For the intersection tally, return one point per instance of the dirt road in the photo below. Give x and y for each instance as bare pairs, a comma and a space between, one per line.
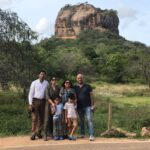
24, 143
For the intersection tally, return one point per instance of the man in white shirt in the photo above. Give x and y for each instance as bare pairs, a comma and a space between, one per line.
37, 104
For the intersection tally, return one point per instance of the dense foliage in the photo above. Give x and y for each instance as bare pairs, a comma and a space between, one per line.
101, 55
17, 55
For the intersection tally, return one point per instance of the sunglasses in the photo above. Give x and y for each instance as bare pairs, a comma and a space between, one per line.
53, 79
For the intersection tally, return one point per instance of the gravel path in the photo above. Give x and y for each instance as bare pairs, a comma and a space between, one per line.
24, 143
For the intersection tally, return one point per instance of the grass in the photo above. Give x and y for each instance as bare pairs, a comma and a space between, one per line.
13, 120
131, 109
9, 97
130, 106
13, 114
132, 101
119, 90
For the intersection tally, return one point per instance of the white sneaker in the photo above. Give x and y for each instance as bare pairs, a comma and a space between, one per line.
91, 138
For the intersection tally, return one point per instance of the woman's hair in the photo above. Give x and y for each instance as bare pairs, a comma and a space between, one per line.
63, 84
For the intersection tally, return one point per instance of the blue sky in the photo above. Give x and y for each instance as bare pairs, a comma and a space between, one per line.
40, 15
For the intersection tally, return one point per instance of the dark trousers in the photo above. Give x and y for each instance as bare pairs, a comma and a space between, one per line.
48, 120
38, 115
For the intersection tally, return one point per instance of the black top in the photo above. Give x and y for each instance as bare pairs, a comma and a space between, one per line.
83, 95
51, 93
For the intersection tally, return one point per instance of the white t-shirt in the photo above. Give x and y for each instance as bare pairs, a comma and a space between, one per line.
71, 109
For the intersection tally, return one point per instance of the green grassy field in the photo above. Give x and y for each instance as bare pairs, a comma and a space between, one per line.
132, 101
130, 107
13, 114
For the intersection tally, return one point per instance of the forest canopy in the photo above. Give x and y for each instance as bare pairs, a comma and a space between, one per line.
101, 55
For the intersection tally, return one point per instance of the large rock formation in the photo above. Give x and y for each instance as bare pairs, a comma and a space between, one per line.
71, 20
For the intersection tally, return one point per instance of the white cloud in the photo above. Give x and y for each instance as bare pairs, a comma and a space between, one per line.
126, 12
5, 2
142, 23
127, 16
42, 26
126, 23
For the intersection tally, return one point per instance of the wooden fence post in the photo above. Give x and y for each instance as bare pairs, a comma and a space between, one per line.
110, 116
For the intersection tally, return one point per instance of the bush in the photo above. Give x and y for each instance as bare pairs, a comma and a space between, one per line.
9, 97
13, 118
131, 118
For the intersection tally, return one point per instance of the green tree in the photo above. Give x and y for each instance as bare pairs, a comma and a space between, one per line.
144, 65
14, 33
69, 61
115, 67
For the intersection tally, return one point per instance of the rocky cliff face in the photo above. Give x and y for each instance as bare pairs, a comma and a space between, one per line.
71, 20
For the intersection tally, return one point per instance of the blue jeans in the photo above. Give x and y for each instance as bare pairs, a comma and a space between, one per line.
57, 126
86, 111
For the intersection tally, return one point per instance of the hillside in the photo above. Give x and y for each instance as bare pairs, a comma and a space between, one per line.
100, 55
105, 55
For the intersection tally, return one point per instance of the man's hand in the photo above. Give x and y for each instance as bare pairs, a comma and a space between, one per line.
93, 108
30, 108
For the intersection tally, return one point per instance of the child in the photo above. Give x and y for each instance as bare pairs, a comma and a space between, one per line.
71, 116
57, 120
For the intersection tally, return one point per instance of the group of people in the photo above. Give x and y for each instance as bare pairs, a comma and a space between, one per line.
56, 111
